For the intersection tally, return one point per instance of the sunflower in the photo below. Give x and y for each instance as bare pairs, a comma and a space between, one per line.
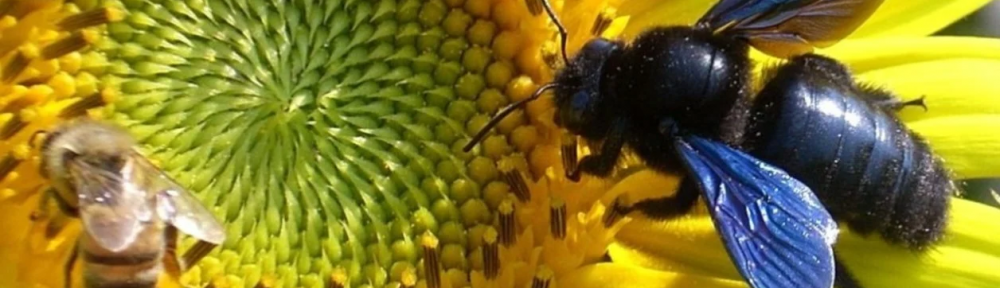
327, 136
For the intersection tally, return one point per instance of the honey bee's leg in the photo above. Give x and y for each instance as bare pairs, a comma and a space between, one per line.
670, 206
68, 266
172, 264
198, 251
56, 223
603, 163
43, 213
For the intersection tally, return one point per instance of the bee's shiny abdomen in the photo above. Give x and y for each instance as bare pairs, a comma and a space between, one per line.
866, 167
138, 266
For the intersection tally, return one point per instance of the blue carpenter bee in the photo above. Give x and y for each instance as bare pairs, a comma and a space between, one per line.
775, 169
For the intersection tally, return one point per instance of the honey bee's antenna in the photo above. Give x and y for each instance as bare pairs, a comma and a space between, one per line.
503, 114
562, 30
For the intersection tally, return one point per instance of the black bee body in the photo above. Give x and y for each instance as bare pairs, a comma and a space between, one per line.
637, 87
777, 166
844, 141
811, 119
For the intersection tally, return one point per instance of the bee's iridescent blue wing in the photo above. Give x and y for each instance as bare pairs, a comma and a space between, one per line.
775, 229
785, 28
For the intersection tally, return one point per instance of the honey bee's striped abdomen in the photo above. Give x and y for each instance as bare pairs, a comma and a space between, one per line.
138, 266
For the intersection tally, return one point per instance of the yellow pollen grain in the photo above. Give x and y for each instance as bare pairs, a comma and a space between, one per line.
338, 278
7, 22
524, 138
496, 146
63, 85
266, 281
482, 32
479, 8
499, 74
508, 14
507, 44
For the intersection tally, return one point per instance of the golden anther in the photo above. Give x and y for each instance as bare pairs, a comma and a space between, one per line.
15, 66
12, 126
73, 42
615, 212
80, 107
7, 165
569, 157
507, 234
491, 254
602, 22
196, 253
515, 180
534, 6
543, 277
90, 18
557, 219
432, 264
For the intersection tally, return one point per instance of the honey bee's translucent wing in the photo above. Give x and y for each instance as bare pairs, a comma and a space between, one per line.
776, 231
113, 206
177, 206
785, 28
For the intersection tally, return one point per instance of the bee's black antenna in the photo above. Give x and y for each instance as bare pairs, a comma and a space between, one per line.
503, 114
562, 30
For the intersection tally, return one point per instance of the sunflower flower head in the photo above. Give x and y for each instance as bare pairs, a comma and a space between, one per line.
327, 136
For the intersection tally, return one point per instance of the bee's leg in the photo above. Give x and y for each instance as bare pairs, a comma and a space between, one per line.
569, 158
172, 265
888, 101
198, 251
56, 224
43, 213
843, 277
68, 266
896, 104
603, 163
670, 206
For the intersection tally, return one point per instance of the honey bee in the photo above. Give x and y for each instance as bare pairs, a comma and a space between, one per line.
131, 211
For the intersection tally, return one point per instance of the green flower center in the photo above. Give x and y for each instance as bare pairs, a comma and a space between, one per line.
325, 134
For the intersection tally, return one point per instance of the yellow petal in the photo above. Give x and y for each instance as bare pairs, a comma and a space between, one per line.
969, 144
863, 55
646, 13
686, 245
964, 259
613, 275
915, 17
957, 86
893, 18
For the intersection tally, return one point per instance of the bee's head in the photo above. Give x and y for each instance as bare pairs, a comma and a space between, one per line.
581, 89
91, 144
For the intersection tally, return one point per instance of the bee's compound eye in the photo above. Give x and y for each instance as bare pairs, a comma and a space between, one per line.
598, 47
69, 155
114, 163
579, 106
